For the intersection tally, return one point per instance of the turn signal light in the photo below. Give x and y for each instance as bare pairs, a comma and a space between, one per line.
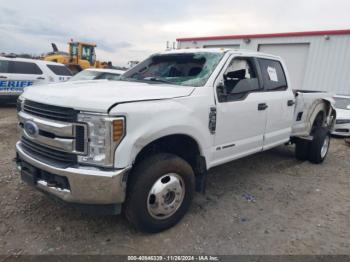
118, 129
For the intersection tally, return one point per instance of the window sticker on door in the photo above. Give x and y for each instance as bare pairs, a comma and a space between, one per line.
272, 74
14, 86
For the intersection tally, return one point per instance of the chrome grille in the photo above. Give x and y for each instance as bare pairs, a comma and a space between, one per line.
80, 138
63, 114
46, 153
52, 133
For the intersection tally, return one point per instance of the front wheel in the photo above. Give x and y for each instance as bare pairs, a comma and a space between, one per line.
160, 191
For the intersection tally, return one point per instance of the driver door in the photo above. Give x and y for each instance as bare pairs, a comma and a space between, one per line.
241, 111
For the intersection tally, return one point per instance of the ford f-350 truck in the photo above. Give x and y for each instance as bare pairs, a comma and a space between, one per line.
143, 145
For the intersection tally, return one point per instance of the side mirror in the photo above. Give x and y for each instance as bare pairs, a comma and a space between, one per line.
235, 75
221, 91
221, 86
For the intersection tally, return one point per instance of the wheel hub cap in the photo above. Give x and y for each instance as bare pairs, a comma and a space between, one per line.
166, 196
325, 147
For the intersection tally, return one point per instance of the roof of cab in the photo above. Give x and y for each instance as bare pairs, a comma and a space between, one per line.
220, 50
37, 61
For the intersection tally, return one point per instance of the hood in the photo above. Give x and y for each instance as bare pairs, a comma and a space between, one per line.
99, 96
343, 114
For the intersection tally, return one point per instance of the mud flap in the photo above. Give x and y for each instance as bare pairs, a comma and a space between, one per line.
201, 174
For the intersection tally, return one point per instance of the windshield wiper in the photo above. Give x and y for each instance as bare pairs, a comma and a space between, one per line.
156, 79
123, 78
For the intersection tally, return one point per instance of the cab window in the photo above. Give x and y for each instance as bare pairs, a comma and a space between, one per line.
87, 53
74, 49
239, 79
273, 75
17, 67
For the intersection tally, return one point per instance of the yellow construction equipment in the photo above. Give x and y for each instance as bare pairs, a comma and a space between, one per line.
81, 55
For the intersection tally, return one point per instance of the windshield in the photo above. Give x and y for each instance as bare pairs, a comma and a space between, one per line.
187, 69
342, 103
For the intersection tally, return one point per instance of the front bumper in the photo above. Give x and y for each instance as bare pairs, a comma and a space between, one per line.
86, 186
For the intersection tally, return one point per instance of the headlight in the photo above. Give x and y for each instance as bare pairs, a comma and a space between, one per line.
342, 121
104, 135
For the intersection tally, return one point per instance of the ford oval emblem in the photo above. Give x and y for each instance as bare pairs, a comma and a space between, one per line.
31, 129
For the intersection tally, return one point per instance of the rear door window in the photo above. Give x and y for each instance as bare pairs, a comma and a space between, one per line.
16, 67
60, 70
274, 78
4, 66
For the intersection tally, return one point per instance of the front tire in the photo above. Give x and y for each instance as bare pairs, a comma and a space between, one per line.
160, 191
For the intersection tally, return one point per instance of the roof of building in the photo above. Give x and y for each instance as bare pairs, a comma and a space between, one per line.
289, 34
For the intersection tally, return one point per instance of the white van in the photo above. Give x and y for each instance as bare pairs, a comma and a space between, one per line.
18, 73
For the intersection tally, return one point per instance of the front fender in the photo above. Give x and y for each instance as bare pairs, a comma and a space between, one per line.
150, 120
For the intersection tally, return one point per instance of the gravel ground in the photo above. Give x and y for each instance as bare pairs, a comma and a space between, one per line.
268, 203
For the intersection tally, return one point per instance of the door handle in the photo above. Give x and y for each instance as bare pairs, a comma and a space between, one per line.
41, 78
262, 106
291, 103
3, 77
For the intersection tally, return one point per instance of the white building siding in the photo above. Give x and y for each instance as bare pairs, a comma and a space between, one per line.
326, 65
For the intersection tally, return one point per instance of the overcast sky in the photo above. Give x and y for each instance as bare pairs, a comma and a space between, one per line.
133, 29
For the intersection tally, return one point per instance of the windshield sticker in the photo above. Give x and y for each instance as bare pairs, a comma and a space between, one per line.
272, 74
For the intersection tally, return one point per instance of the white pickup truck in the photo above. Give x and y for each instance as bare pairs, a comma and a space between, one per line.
144, 144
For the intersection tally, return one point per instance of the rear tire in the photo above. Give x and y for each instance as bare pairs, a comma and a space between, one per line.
319, 146
160, 191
